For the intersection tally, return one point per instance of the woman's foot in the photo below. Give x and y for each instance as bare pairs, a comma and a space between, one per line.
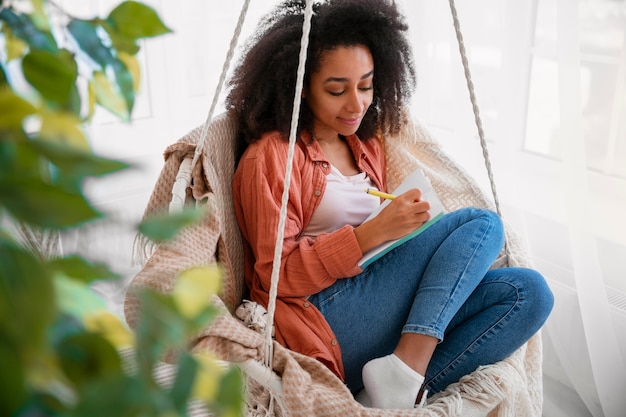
390, 383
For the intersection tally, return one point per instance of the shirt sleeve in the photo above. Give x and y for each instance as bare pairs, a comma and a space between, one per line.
307, 265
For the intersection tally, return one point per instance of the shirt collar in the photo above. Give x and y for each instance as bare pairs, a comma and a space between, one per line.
314, 151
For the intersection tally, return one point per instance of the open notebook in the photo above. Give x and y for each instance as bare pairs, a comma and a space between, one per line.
414, 180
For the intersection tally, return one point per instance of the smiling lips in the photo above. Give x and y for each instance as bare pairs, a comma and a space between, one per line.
350, 122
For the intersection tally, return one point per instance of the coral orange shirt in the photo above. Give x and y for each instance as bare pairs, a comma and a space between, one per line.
308, 265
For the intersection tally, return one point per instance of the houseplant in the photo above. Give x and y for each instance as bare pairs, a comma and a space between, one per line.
60, 349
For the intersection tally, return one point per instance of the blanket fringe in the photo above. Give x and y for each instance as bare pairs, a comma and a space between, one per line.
260, 402
143, 248
487, 388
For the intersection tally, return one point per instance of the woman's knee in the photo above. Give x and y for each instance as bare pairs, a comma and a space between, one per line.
493, 223
539, 293
535, 296
528, 291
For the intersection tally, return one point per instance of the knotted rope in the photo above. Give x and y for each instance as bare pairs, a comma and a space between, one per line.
476, 110
297, 100
220, 83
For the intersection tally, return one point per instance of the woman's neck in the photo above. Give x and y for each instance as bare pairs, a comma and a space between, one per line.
339, 154
329, 139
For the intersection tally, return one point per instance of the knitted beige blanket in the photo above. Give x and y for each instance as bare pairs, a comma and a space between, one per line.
512, 387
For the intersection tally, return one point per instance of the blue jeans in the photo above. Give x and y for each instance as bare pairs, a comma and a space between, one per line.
438, 284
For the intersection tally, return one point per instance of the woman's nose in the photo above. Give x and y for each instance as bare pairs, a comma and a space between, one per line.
354, 102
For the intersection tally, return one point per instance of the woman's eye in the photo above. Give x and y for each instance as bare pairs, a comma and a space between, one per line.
369, 87
335, 93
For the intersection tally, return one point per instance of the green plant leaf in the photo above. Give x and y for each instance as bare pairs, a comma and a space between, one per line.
76, 298
134, 20
124, 80
118, 395
39, 16
86, 357
12, 380
13, 109
17, 159
21, 173
74, 162
109, 96
40, 204
74, 103
208, 376
78, 268
164, 227
111, 327
194, 288
63, 128
183, 383
26, 298
85, 33
52, 74
44, 405
3, 78
91, 100
131, 63
160, 327
14, 46
24, 28
120, 43
230, 397
64, 325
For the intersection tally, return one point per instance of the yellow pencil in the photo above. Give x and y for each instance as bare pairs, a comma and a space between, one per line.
380, 194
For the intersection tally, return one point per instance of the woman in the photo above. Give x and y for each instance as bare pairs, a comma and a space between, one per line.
426, 313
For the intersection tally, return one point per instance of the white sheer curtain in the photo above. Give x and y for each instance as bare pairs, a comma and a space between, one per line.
550, 78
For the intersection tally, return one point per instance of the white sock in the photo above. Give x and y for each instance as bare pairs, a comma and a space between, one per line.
391, 383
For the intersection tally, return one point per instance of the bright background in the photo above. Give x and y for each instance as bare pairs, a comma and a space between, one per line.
550, 77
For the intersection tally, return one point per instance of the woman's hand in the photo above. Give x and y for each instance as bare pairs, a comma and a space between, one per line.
402, 215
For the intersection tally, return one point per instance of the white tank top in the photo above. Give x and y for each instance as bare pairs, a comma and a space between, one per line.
344, 202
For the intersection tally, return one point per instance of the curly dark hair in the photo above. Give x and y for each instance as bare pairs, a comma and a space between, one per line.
262, 87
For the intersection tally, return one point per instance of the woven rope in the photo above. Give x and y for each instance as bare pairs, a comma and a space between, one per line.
220, 83
476, 110
297, 99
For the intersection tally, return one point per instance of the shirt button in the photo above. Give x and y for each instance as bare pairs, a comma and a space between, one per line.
324, 165
306, 304
333, 342
318, 193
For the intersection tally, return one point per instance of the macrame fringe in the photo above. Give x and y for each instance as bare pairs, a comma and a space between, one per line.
487, 388
143, 248
260, 402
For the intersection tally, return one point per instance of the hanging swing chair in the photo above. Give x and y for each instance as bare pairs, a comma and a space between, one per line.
199, 168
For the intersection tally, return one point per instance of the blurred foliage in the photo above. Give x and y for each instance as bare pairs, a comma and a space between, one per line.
61, 350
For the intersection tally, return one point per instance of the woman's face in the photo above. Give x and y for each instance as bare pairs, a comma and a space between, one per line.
340, 91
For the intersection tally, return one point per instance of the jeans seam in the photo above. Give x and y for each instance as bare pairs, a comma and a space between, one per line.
481, 242
499, 323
